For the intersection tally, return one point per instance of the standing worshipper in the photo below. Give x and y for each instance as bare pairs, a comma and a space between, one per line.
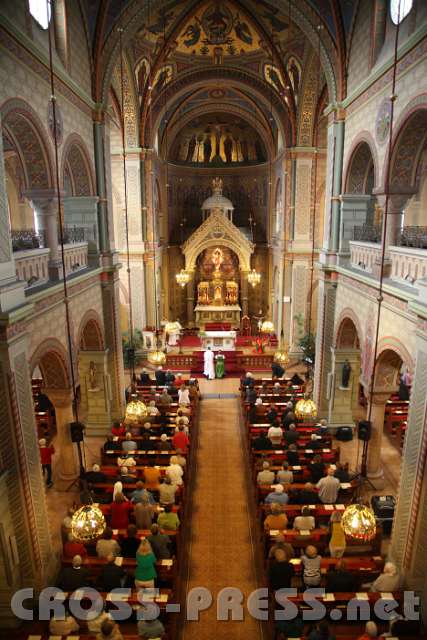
209, 369
46, 453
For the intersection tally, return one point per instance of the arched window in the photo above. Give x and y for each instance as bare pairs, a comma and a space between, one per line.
41, 12
399, 9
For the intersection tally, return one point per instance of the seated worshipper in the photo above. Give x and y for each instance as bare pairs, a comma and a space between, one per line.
262, 442
154, 396
106, 546
169, 377
246, 381
118, 488
323, 428
74, 577
371, 631
284, 476
165, 399
275, 434
118, 429
388, 580
94, 624
304, 522
63, 626
183, 395
96, 475
46, 453
288, 419
181, 423
112, 445
328, 487
276, 370
266, 476
150, 629
127, 476
321, 632
311, 564
164, 444
296, 380
251, 394
291, 436
339, 579
279, 543
174, 471
307, 495
341, 472
73, 548
291, 628
109, 631
317, 469
126, 460
258, 402
280, 572
167, 492
337, 542
180, 440
152, 409
173, 391
140, 492
120, 510
160, 377
128, 444
144, 513
160, 543
168, 520
277, 390
151, 478
130, 543
276, 519
181, 418
272, 414
144, 378
292, 455
111, 575
145, 444
279, 495
180, 459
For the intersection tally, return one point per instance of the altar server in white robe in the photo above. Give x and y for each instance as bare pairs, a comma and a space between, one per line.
209, 368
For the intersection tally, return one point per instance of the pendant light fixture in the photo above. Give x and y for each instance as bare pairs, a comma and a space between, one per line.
88, 522
135, 405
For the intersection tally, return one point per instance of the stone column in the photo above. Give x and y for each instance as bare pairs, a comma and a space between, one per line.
408, 540
26, 557
343, 401
324, 338
190, 299
46, 206
95, 387
334, 167
375, 469
65, 464
396, 204
244, 292
82, 212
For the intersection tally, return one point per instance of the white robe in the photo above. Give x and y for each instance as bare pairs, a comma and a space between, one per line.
209, 369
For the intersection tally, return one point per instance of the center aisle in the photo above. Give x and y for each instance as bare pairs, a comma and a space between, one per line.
221, 550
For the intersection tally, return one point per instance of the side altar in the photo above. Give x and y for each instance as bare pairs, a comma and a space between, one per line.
219, 340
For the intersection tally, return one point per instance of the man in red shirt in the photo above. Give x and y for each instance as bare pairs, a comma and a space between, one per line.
180, 440
118, 429
46, 453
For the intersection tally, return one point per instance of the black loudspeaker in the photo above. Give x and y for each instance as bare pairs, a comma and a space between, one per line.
364, 430
76, 430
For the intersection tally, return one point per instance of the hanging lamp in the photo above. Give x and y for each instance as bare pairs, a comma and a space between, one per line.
305, 409
88, 523
267, 327
358, 522
182, 278
254, 278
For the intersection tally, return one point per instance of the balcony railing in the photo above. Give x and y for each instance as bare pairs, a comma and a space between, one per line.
412, 236
26, 239
32, 265
408, 264
364, 255
367, 233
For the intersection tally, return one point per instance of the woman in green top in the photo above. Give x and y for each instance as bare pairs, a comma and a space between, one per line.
145, 572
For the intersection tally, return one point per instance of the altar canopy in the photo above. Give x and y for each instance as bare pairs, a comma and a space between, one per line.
218, 257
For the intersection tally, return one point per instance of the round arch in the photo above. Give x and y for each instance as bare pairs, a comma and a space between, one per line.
51, 358
354, 173
26, 133
390, 343
408, 143
347, 335
90, 334
193, 254
77, 164
361, 172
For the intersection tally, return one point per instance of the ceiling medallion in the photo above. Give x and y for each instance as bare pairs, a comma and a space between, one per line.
217, 94
382, 125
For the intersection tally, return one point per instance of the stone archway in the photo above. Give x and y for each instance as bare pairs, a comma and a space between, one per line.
77, 166
345, 371
52, 361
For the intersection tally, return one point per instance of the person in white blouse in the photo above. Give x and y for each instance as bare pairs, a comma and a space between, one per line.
183, 396
275, 434
174, 471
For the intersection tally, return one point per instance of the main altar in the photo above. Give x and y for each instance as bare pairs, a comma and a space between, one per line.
217, 255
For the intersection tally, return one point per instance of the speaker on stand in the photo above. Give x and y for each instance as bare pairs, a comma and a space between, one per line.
364, 432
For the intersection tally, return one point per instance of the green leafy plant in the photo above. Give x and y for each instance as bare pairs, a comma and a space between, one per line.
306, 339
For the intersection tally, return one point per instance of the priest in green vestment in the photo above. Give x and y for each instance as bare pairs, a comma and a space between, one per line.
219, 365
